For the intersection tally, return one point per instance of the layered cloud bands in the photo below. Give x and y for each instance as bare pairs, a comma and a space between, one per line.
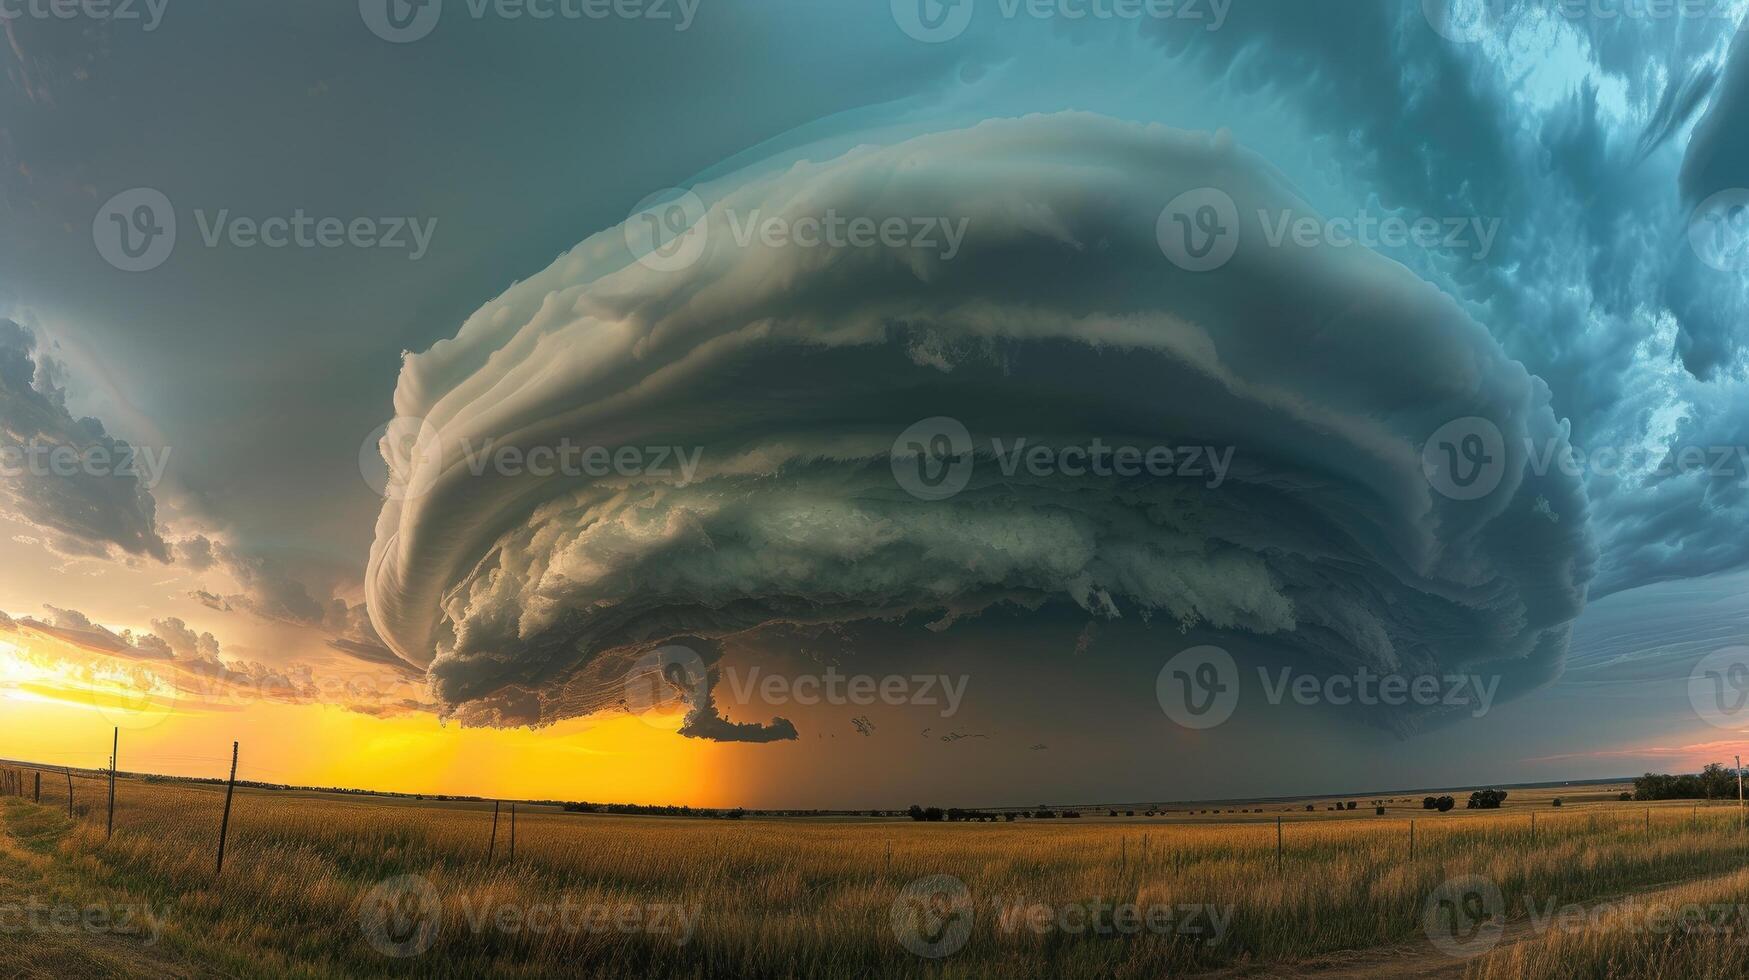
792, 370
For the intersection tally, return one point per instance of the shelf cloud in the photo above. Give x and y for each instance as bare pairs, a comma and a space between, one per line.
1287, 396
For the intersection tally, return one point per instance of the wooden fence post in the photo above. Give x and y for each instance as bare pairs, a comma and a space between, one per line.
37, 791
225, 824
69, 793
512, 831
114, 752
493, 847
1278, 845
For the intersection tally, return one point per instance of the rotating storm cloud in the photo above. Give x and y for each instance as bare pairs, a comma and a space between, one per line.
1059, 319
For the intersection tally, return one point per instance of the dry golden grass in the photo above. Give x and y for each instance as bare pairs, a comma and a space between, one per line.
1698, 931
816, 897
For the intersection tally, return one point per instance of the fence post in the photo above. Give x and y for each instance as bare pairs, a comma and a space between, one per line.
114, 752
1278, 845
512, 831
493, 847
1411, 838
225, 824
69, 793
37, 789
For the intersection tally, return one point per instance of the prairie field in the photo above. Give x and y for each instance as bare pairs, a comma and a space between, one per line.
324, 885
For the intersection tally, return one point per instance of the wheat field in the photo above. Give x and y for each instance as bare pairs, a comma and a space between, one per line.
334, 885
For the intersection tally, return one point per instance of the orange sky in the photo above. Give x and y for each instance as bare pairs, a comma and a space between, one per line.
58, 714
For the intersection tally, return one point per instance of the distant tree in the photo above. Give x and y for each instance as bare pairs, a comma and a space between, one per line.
1310, 806
1378, 811
1445, 803
1717, 782
1487, 799
1429, 803
1113, 813
1557, 801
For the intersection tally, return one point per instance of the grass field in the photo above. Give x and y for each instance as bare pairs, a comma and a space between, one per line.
333, 885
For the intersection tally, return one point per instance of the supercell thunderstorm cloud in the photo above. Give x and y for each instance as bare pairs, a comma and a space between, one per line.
907, 430
1163, 378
